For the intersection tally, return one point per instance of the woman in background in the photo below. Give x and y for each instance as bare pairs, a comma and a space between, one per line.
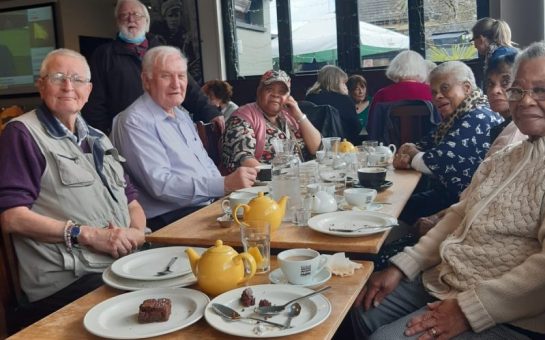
219, 94
357, 88
330, 89
492, 39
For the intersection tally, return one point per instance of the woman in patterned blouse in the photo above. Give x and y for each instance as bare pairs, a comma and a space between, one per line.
450, 154
275, 114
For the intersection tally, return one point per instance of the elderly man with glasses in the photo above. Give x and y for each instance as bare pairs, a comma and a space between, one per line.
478, 274
63, 194
116, 68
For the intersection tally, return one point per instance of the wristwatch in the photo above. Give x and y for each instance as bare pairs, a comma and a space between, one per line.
74, 233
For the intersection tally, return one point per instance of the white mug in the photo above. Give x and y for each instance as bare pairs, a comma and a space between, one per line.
234, 199
300, 265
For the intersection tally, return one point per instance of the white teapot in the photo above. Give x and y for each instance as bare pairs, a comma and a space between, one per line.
382, 154
323, 202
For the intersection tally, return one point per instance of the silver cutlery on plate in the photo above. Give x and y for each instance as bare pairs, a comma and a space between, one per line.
272, 310
364, 227
231, 314
167, 269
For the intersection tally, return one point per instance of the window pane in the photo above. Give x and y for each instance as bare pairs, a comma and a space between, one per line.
314, 34
254, 32
448, 29
384, 30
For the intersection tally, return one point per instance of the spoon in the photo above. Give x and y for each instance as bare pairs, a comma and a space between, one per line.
273, 310
167, 269
295, 309
231, 314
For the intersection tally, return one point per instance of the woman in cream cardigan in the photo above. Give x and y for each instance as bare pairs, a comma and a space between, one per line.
478, 274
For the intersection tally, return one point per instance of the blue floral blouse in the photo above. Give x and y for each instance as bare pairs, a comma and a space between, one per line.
456, 157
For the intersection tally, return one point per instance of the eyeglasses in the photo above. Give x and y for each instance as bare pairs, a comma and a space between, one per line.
59, 79
515, 94
126, 16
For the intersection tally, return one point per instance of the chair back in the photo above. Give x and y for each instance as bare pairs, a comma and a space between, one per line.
411, 120
211, 139
10, 288
9, 113
325, 118
401, 122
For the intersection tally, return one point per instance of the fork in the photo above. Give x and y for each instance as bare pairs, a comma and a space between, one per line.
167, 269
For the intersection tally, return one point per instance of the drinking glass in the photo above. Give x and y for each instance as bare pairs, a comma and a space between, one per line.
256, 240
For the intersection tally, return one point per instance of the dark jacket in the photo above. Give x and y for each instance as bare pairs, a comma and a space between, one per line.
115, 74
325, 118
347, 112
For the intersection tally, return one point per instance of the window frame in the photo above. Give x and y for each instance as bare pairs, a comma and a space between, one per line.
347, 34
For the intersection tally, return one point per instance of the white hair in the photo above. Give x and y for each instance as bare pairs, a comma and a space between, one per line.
407, 65
142, 6
457, 70
535, 50
158, 55
44, 68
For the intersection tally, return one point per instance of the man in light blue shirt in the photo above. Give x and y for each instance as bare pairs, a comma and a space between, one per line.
164, 154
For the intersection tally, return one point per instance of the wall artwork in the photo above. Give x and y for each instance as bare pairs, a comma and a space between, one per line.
175, 22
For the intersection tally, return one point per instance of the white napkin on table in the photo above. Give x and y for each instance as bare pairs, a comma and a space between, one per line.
341, 265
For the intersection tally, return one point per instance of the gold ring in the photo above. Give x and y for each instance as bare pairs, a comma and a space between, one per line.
433, 332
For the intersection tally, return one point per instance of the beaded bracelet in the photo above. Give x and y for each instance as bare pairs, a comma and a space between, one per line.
67, 231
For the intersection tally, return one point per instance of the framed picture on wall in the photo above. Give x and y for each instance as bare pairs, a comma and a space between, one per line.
175, 23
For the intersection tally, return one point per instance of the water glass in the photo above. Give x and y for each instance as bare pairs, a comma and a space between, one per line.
302, 216
256, 240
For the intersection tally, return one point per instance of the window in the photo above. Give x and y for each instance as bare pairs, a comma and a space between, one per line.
253, 36
305, 35
448, 29
313, 34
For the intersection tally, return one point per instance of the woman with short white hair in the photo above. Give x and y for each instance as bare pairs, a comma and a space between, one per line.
408, 70
451, 153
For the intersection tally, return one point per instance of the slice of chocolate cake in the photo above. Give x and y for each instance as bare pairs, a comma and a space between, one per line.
154, 310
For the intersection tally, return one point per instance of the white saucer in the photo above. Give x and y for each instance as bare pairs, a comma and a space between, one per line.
277, 276
343, 205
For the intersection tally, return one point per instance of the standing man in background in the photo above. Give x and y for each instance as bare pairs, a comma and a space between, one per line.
116, 68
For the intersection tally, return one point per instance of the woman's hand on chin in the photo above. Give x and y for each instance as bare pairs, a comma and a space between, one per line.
293, 108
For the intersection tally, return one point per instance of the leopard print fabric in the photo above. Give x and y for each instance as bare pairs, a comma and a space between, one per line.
475, 99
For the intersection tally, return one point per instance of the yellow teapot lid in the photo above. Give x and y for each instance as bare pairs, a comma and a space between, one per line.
219, 247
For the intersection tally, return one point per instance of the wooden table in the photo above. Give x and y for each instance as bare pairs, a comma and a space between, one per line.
67, 323
201, 228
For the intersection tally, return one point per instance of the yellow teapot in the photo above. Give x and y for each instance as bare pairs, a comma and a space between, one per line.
263, 208
220, 268
345, 146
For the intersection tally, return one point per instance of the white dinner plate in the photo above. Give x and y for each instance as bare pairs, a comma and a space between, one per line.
351, 220
145, 264
255, 190
122, 283
314, 311
345, 206
277, 277
117, 317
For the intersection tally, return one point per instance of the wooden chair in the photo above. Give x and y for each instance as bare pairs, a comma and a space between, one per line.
10, 288
211, 139
410, 121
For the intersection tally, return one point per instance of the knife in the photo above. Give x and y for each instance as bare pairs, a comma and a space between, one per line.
367, 227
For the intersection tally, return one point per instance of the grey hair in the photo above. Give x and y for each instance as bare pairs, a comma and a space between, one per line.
454, 69
535, 50
158, 55
144, 9
407, 65
329, 79
44, 68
